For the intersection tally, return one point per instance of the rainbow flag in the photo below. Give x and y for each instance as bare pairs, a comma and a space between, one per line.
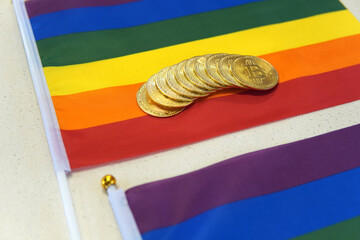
96, 55
303, 190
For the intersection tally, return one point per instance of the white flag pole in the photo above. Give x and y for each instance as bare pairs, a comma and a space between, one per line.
68, 205
52, 130
121, 209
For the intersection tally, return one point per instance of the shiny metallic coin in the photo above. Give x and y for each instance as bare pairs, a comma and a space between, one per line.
254, 72
224, 67
211, 66
177, 87
189, 71
159, 98
151, 108
200, 71
185, 82
165, 89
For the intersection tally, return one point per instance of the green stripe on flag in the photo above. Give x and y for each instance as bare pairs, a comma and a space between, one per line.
98, 45
346, 230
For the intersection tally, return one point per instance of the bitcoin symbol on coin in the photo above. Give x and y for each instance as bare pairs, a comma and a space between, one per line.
254, 71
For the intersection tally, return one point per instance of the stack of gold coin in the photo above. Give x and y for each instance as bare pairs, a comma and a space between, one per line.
173, 88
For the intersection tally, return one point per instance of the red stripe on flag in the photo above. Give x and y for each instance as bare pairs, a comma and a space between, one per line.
210, 118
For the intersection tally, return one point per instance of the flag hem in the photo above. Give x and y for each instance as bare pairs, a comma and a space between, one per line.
123, 214
51, 125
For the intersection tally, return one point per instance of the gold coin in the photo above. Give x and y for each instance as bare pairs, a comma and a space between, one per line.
177, 87
151, 108
211, 66
225, 70
159, 98
188, 69
254, 72
184, 81
165, 89
200, 71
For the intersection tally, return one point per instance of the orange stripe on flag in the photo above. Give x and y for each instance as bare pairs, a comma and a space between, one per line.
108, 105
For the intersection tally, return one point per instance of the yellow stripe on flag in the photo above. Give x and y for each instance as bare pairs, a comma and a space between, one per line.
139, 67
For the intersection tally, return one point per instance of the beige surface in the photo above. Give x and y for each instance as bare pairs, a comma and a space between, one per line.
30, 203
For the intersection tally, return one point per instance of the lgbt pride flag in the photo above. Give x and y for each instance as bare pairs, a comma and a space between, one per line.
96, 55
304, 190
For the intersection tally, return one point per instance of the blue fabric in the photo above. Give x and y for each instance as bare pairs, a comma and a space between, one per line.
280, 215
122, 16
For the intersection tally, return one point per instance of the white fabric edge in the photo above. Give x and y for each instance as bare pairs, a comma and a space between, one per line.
123, 214
51, 125
52, 130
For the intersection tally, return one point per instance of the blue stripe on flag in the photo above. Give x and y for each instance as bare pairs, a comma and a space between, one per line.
122, 16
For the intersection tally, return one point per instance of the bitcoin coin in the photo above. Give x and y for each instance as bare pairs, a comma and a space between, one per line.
151, 108
155, 95
254, 72
184, 81
189, 71
200, 71
165, 89
173, 88
177, 87
225, 70
211, 66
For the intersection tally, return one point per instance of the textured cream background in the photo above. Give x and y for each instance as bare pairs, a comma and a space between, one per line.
30, 204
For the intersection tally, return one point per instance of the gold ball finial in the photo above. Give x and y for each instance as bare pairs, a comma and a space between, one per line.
107, 181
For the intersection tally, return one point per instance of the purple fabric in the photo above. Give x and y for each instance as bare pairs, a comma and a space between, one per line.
38, 7
171, 201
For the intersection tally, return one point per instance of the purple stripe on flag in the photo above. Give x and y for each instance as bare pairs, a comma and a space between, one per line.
168, 202
38, 7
